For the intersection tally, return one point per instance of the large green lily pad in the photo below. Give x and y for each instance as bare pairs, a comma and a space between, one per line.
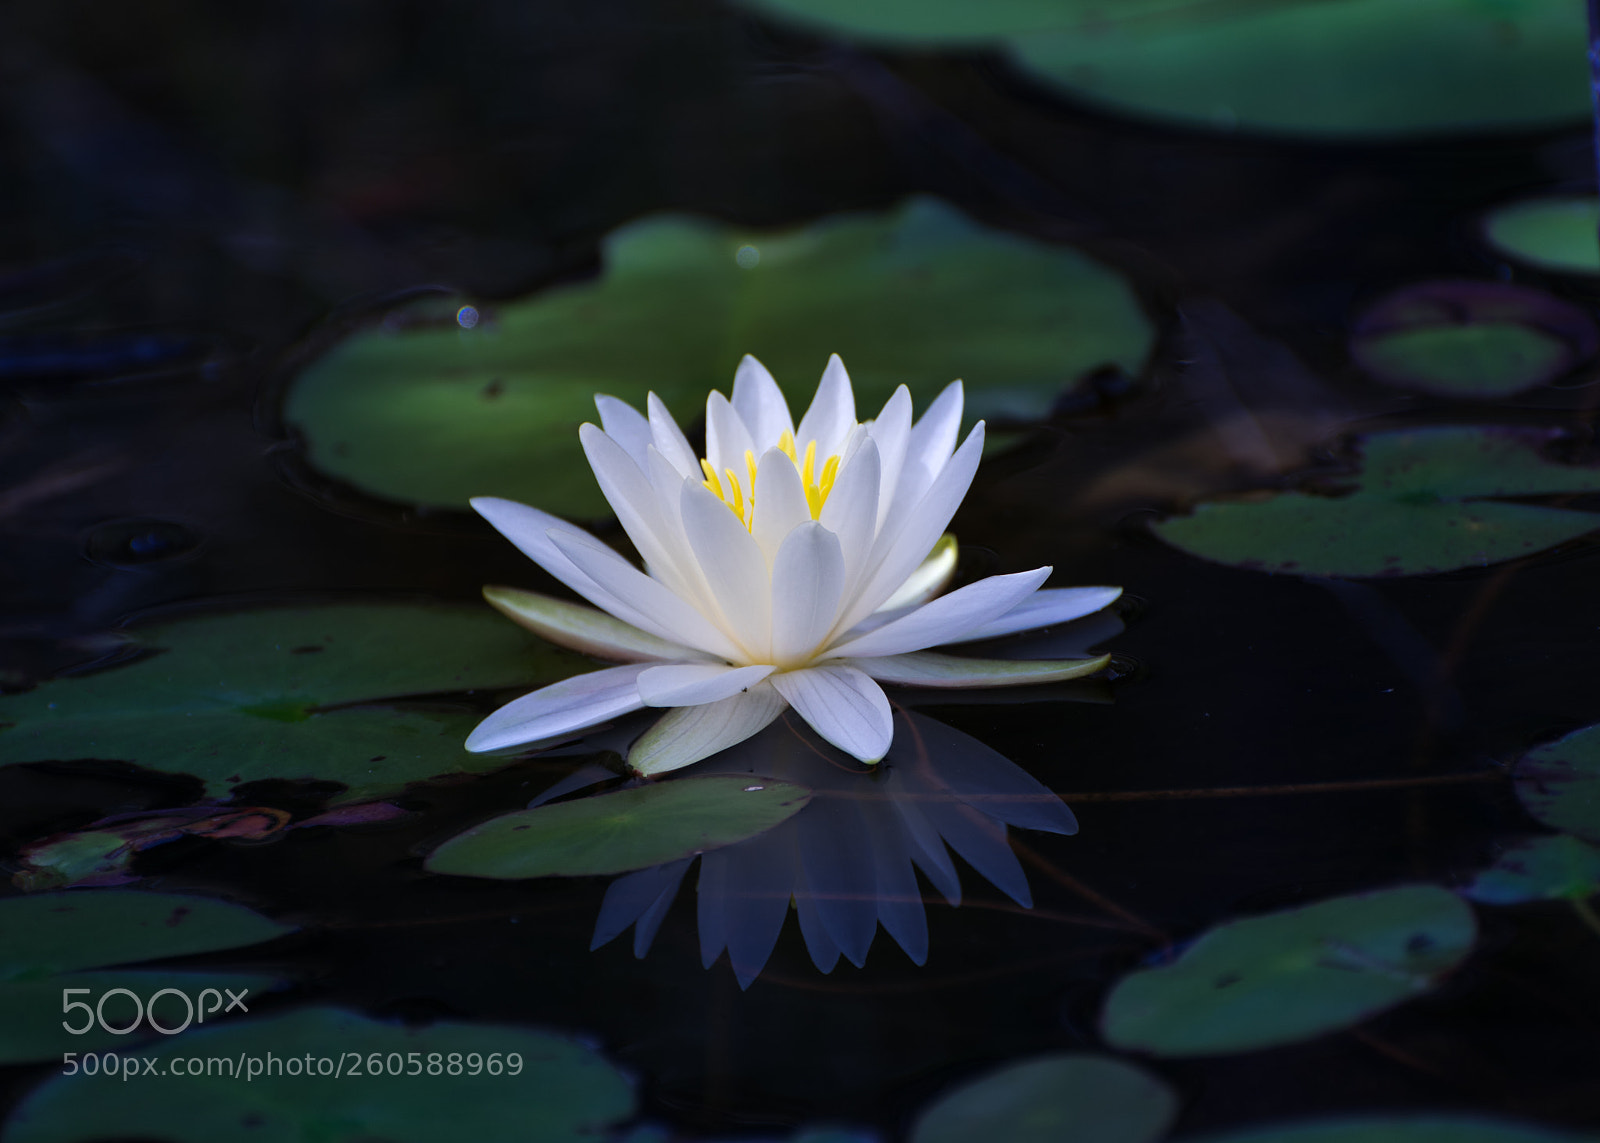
1556, 233
618, 832
1289, 976
48, 940
1424, 501
435, 414
1539, 869
1559, 783
1087, 1099
556, 1090
241, 696
1400, 1129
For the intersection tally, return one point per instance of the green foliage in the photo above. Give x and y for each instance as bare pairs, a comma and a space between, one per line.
1556, 233
1559, 783
1539, 869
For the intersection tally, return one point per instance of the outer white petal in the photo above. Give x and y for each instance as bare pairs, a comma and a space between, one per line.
780, 502
851, 510
624, 424
832, 414
727, 438
633, 498
945, 619
843, 705
692, 684
929, 669
735, 568
649, 604
891, 431
759, 401
808, 579
931, 577
933, 439
686, 734
1043, 608
582, 628
560, 708
669, 438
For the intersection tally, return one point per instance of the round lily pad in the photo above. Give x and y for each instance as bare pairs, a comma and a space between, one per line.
1088, 1099
1559, 783
1400, 1129
1556, 233
1479, 340
1425, 501
242, 696
431, 413
1539, 869
1289, 976
335, 1076
1331, 68
622, 831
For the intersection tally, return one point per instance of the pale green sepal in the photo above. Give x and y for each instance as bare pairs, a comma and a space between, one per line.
582, 628
931, 669
932, 576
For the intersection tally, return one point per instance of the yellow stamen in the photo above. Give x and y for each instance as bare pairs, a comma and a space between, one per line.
829, 471
750, 465
786, 443
738, 495
743, 505
711, 482
810, 465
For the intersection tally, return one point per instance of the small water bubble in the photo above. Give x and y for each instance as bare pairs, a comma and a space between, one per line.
750, 789
748, 257
467, 317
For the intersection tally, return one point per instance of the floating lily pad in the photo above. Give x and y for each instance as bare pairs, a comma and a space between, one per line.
1422, 503
1087, 1099
1559, 783
1289, 976
242, 696
47, 941
1557, 233
557, 1090
1339, 68
622, 831
435, 414
1400, 1129
1480, 340
1539, 869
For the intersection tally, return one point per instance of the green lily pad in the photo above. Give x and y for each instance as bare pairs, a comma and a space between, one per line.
618, 832
1290, 976
1330, 68
557, 1090
1400, 1129
48, 940
1088, 1099
435, 414
1422, 503
1559, 783
1558, 233
1539, 869
238, 697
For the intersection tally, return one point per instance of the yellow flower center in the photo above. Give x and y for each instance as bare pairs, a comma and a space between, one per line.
740, 496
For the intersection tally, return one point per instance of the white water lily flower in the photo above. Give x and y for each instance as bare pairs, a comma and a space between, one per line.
792, 566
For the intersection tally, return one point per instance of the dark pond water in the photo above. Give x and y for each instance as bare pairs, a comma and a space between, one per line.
200, 202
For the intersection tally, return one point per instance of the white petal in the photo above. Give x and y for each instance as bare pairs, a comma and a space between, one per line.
560, 708
891, 431
727, 438
851, 511
735, 569
780, 502
1043, 608
929, 669
807, 582
760, 403
687, 734
649, 604
669, 438
945, 619
582, 628
931, 577
633, 498
625, 425
843, 705
832, 414
933, 439
692, 684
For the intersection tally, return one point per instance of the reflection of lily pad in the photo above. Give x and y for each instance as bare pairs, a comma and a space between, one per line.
1539, 869
1421, 504
920, 295
1549, 233
1087, 1099
47, 941
1399, 1129
238, 697
626, 830
1481, 340
1289, 976
1559, 783
444, 1082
